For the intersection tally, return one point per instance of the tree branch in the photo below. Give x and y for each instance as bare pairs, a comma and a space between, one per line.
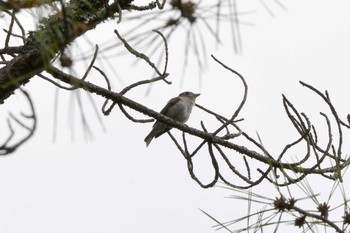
55, 33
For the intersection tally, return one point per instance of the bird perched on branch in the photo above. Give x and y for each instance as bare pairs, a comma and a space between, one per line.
178, 108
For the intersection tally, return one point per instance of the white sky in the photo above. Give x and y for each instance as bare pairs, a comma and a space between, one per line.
116, 184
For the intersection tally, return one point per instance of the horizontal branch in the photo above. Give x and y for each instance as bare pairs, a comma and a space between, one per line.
120, 99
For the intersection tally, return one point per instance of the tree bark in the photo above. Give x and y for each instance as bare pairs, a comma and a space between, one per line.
54, 34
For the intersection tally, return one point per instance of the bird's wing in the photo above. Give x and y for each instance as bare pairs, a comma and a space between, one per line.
171, 103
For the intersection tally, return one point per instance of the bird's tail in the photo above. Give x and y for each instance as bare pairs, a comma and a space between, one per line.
149, 137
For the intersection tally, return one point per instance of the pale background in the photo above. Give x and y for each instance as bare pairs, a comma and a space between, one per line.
115, 184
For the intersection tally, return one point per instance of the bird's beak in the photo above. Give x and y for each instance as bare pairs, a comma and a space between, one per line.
196, 95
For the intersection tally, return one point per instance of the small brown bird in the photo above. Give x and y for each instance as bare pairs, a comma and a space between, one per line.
178, 108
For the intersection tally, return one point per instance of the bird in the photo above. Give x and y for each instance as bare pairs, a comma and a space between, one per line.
178, 108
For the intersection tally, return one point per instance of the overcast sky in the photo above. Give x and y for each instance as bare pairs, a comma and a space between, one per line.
115, 184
